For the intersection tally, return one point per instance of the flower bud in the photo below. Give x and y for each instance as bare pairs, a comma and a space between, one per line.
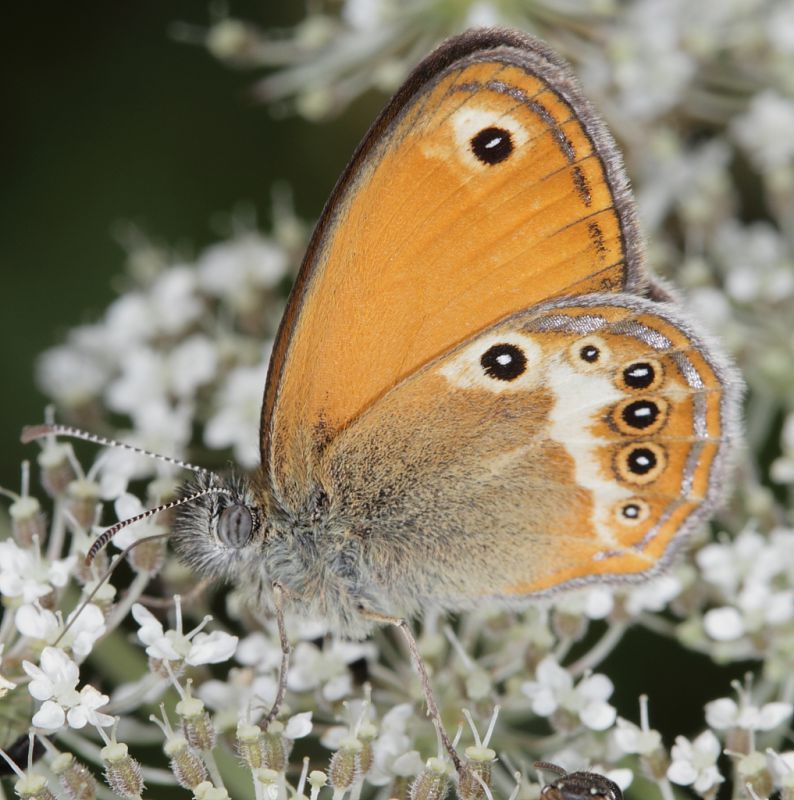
568, 625
33, 787
56, 469
269, 779
187, 767
432, 782
82, 498
27, 520
479, 762
366, 735
206, 791
345, 767
250, 745
655, 764
148, 557
753, 769
122, 772
196, 723
75, 778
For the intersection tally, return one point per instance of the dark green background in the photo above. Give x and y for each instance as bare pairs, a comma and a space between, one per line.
106, 119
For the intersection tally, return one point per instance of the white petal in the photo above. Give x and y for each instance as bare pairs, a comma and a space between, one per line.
211, 648
36, 622
722, 713
682, 772
299, 725
544, 703
596, 687
338, 687
708, 777
598, 716
77, 717
723, 624
50, 716
772, 714
708, 744
59, 667
551, 674
407, 765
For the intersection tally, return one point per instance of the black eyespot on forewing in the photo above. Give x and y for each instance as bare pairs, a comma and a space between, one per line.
639, 375
640, 414
641, 460
504, 362
492, 145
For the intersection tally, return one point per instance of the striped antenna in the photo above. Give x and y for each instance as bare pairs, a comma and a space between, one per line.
110, 532
32, 432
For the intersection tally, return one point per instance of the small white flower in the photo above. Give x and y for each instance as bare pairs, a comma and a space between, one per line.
594, 603
259, 652
242, 693
758, 130
393, 754
191, 364
70, 375
174, 302
86, 712
194, 647
695, 763
236, 422
642, 740
723, 624
299, 725
26, 575
327, 667
655, 595
239, 269
54, 682
554, 688
726, 713
127, 506
40, 623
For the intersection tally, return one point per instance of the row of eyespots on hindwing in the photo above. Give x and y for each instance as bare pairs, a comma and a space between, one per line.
639, 415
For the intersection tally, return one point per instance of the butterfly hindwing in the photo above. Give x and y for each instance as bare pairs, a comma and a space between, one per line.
570, 442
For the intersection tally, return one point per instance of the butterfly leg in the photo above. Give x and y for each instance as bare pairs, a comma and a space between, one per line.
278, 603
432, 707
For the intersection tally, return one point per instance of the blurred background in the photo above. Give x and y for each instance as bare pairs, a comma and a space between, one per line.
108, 121
116, 117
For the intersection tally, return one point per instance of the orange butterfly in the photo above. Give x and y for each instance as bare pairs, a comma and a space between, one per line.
476, 390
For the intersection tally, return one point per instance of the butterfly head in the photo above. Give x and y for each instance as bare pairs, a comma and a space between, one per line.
222, 528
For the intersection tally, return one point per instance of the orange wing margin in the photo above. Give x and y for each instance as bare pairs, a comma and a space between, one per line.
432, 233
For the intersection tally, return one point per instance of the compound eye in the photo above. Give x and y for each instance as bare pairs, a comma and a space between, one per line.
235, 526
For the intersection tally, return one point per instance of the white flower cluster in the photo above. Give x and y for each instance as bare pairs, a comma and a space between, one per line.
701, 98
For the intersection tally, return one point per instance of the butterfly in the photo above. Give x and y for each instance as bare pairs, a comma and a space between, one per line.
477, 391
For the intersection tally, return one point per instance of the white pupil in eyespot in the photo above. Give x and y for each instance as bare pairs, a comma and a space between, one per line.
504, 359
495, 141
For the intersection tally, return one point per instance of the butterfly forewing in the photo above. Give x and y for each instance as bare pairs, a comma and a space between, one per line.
486, 186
